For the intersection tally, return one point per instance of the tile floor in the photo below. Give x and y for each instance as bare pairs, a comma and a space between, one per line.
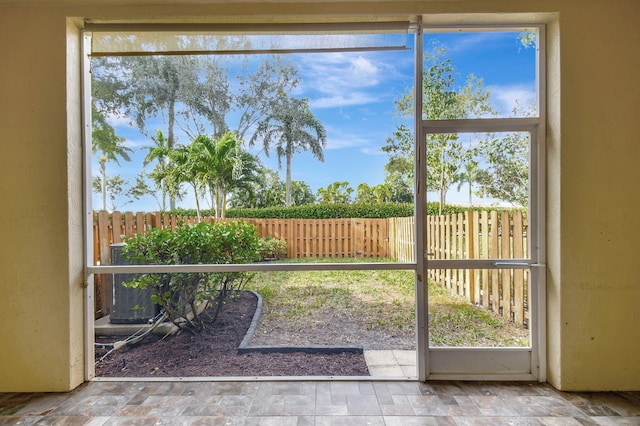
319, 403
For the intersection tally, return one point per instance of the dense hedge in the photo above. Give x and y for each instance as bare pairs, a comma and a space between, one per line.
327, 211
333, 211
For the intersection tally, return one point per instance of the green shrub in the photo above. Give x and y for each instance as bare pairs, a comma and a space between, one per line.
336, 211
326, 211
272, 248
180, 294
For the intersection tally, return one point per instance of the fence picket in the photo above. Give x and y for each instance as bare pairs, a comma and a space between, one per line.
472, 246
494, 253
484, 254
518, 274
505, 253
116, 222
140, 223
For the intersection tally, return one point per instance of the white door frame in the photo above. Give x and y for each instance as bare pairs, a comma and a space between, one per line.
528, 363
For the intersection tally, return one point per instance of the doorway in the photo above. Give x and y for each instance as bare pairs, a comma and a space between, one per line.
492, 254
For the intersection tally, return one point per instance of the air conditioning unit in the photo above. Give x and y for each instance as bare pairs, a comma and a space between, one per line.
130, 305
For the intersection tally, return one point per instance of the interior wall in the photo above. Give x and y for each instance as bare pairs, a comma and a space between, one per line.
598, 284
593, 146
41, 286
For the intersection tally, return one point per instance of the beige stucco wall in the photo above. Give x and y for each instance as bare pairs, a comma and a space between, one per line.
593, 147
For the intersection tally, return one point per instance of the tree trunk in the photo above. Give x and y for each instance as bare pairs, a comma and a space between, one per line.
219, 203
287, 191
171, 144
441, 190
195, 192
213, 200
103, 183
164, 195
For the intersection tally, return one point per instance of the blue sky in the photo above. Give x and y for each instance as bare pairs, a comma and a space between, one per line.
353, 94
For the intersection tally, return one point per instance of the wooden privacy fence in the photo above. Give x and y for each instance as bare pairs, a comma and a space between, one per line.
469, 235
474, 235
304, 237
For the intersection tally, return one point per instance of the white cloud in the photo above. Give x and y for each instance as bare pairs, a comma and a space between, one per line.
506, 98
339, 139
367, 144
373, 151
471, 41
340, 100
344, 79
118, 120
134, 144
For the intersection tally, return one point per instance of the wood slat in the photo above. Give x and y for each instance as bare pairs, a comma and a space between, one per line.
505, 253
494, 253
484, 254
518, 274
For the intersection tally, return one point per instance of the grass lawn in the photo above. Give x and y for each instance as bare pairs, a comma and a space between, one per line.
381, 301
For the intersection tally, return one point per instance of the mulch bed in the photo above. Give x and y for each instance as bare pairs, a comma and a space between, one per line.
214, 353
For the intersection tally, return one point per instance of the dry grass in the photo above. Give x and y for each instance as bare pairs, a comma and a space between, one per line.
375, 309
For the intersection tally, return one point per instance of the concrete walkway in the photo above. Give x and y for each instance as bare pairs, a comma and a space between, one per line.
391, 363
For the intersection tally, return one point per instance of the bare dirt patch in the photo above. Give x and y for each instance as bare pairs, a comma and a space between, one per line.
214, 352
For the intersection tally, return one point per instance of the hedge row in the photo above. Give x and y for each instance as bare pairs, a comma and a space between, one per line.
332, 211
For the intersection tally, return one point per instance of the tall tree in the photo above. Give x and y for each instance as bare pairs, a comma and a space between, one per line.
251, 98
144, 87
209, 96
291, 127
120, 192
109, 146
399, 169
507, 177
184, 89
260, 93
159, 152
184, 169
442, 100
471, 174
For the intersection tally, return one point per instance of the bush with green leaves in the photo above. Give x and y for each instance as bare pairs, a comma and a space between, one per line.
337, 211
182, 294
272, 248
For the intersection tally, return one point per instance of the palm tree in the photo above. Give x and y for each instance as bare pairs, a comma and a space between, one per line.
292, 128
185, 168
223, 167
470, 174
110, 145
160, 153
